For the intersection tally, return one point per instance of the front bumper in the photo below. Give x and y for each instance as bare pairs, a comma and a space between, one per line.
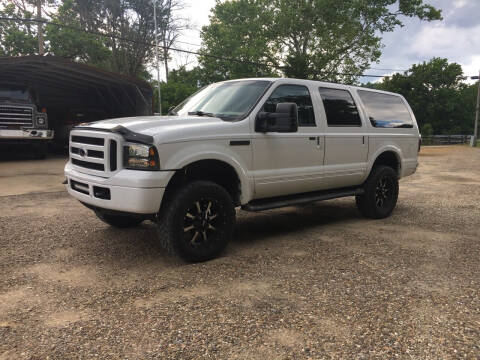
144, 198
26, 134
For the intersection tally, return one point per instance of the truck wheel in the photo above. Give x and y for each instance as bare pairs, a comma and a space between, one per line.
197, 222
381, 193
119, 221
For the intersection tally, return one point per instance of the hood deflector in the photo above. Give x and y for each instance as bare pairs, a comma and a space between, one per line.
127, 134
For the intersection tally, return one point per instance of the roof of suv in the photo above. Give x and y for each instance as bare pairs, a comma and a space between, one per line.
318, 82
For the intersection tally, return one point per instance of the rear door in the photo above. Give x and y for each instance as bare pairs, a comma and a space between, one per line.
288, 163
346, 141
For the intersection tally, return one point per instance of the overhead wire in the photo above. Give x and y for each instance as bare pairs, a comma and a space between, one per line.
223, 58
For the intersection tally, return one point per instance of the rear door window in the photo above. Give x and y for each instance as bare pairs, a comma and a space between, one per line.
340, 108
386, 111
297, 94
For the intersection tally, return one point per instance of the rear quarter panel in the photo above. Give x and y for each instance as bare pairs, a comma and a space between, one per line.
404, 142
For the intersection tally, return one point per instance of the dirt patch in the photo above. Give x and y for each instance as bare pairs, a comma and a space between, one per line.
286, 337
65, 318
83, 276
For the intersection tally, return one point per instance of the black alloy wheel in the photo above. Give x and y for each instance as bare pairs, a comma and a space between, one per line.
201, 223
381, 193
196, 221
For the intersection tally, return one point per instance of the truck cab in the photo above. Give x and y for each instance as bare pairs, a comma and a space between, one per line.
21, 119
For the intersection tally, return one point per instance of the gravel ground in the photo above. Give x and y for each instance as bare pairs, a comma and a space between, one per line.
312, 282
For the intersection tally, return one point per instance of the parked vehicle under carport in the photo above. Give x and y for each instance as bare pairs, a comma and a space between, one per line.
63, 89
23, 120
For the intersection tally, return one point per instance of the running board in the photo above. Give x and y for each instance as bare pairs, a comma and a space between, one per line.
298, 199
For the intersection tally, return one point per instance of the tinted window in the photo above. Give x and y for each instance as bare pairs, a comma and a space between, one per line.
385, 110
339, 108
297, 94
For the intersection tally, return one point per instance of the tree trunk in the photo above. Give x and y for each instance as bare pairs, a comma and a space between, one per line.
165, 60
41, 47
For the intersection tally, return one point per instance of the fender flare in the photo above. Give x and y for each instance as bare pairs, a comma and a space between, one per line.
387, 148
188, 156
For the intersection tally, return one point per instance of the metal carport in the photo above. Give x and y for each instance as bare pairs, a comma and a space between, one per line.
63, 84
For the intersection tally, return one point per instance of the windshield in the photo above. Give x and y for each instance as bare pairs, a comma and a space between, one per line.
228, 101
15, 94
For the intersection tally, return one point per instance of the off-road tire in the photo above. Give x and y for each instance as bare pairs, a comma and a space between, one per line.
180, 220
370, 204
119, 221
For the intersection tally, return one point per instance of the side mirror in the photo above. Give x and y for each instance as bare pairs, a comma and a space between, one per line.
284, 119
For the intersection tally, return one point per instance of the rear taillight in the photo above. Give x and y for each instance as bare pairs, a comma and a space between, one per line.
419, 142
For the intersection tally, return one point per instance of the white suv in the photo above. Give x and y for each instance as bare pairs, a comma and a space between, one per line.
253, 143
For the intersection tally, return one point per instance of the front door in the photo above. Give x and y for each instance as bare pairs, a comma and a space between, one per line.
288, 163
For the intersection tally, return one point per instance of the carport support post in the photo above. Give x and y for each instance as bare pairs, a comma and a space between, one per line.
158, 57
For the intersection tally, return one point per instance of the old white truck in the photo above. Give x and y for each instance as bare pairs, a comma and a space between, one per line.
252, 143
21, 120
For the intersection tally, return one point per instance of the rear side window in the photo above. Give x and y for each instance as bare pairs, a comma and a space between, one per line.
297, 94
386, 111
339, 107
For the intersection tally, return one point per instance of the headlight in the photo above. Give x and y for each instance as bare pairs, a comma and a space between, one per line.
40, 120
140, 157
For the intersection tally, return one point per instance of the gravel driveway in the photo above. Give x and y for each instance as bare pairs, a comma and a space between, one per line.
316, 282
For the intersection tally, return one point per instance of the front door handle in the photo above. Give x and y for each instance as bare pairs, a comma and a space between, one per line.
318, 140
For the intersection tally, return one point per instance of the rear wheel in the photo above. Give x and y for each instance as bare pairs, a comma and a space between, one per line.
119, 221
381, 193
197, 222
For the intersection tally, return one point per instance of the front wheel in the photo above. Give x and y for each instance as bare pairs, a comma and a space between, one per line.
381, 193
197, 222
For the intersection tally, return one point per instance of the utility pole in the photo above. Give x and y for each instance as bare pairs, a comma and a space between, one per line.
158, 56
41, 47
165, 40
475, 131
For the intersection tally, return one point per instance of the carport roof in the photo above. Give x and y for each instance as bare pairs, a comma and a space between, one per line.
57, 72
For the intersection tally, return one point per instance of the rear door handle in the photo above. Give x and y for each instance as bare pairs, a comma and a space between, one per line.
313, 138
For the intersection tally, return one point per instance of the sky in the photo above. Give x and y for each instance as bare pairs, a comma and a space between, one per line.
456, 37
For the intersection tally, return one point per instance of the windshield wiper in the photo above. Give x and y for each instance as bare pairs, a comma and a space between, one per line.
201, 113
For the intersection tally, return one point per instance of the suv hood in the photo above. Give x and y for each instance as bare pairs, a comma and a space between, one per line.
165, 128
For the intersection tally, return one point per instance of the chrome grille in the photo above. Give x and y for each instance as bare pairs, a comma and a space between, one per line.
16, 115
95, 152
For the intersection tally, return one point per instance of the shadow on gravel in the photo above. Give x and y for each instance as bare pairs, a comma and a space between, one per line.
259, 227
140, 245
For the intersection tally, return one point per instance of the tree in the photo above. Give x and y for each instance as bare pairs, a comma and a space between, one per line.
73, 44
182, 83
332, 40
437, 94
27, 8
17, 39
237, 30
171, 30
128, 41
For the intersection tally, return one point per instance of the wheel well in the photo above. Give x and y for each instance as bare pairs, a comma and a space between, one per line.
216, 171
388, 158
